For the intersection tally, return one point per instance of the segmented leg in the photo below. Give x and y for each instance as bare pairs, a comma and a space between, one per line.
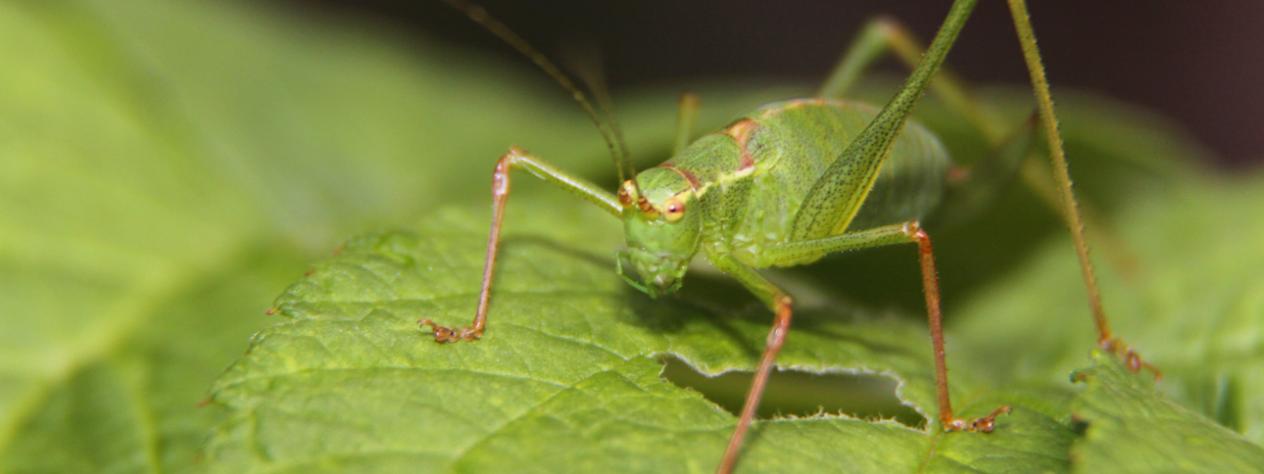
884, 33
891, 235
930, 288
1044, 101
834, 200
781, 305
971, 189
514, 158
686, 115
837, 195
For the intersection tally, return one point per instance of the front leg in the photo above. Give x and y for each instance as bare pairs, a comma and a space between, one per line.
515, 158
781, 305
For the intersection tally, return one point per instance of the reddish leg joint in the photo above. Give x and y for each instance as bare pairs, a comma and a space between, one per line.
930, 288
1132, 360
500, 194
982, 425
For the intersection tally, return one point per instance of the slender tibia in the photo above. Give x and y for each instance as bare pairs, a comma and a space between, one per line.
837, 194
686, 115
1044, 102
772, 346
884, 33
500, 194
514, 158
1039, 179
930, 288
781, 305
890, 33
891, 235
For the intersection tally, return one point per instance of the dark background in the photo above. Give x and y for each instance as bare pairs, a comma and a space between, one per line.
1199, 63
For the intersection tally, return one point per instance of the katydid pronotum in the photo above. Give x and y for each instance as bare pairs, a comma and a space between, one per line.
792, 182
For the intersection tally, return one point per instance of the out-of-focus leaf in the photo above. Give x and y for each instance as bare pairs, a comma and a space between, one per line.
1133, 428
541, 300
1195, 306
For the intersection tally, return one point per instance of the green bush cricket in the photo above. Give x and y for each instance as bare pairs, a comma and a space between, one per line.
795, 181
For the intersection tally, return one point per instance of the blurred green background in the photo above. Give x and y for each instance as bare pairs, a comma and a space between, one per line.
168, 168
1177, 58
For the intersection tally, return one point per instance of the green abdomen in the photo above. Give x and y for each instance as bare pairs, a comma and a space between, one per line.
794, 142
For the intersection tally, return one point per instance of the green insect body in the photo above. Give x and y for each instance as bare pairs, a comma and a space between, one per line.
795, 181
743, 187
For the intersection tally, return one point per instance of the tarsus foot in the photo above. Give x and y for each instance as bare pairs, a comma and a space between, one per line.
983, 425
1131, 359
444, 334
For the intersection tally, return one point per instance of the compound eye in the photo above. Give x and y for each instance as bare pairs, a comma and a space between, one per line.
674, 210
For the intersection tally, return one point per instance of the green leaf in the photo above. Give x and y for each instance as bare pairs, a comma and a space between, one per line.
571, 356
1193, 306
1133, 428
167, 168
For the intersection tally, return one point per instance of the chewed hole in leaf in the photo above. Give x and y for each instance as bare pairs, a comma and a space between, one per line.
797, 393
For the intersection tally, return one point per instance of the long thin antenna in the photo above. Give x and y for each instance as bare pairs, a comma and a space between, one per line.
609, 133
586, 62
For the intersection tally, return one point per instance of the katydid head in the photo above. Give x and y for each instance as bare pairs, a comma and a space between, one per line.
662, 234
